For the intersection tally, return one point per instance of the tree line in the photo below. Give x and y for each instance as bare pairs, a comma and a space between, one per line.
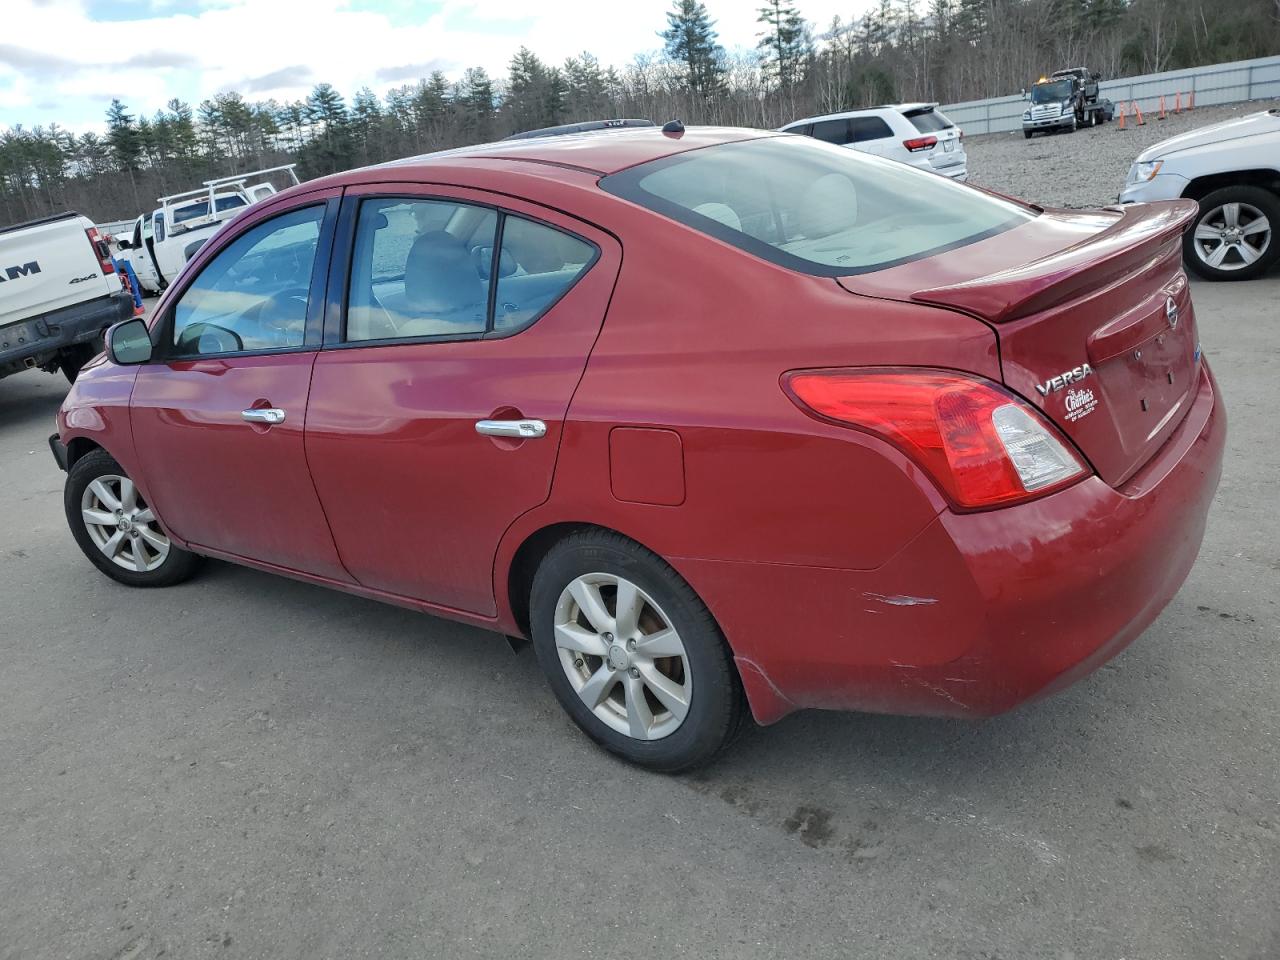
902, 50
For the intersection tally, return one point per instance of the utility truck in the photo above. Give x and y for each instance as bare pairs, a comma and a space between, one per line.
161, 242
1065, 100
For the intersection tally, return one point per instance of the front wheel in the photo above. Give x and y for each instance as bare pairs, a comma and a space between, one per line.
1234, 234
116, 528
632, 654
1027, 134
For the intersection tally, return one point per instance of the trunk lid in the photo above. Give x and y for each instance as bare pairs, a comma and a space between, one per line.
1093, 319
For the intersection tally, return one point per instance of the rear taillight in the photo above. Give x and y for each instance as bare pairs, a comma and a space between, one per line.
982, 445
920, 143
102, 250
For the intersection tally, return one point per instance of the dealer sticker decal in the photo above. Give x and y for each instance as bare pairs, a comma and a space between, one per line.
1080, 403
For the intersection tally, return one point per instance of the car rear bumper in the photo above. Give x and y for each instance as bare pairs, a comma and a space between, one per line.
981, 611
35, 342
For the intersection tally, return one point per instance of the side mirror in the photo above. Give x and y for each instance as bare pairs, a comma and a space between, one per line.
129, 342
1096, 75
1024, 93
124, 245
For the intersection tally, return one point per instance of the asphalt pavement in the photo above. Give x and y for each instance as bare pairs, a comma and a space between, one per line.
245, 766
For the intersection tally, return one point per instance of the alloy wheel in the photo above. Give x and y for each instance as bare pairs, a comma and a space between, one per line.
121, 524
623, 656
1232, 236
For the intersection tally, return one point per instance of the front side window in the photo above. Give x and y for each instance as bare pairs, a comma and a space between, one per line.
427, 268
253, 295
815, 208
159, 227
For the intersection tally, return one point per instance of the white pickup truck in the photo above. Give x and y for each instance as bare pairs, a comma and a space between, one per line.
161, 242
59, 291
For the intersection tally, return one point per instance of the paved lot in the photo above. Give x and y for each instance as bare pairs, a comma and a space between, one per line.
244, 766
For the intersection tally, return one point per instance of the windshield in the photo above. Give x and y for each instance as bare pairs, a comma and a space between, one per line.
813, 207
1051, 92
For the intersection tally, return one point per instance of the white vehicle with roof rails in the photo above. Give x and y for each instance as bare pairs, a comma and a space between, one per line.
918, 134
161, 242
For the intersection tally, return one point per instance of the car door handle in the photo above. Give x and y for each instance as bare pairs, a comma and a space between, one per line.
520, 429
263, 415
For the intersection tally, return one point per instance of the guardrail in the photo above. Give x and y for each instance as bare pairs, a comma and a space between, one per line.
1218, 83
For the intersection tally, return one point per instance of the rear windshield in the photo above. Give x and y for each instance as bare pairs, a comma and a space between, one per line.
815, 208
928, 120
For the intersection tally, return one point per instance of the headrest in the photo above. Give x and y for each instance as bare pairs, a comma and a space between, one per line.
439, 275
721, 213
829, 205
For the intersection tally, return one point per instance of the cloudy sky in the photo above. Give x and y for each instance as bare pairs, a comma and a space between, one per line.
63, 60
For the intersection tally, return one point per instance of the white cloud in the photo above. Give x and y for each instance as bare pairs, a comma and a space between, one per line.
62, 65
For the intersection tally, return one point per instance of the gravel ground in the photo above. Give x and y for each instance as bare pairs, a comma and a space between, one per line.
1082, 169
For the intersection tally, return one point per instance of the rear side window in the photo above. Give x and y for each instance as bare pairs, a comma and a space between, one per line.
538, 265
832, 131
416, 269
868, 128
435, 268
929, 121
815, 208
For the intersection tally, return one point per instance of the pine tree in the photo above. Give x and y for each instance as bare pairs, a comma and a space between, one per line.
123, 136
785, 42
690, 40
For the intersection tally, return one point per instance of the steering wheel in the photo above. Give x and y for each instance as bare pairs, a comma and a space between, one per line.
202, 338
284, 315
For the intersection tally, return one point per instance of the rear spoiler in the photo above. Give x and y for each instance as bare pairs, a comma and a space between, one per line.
1142, 234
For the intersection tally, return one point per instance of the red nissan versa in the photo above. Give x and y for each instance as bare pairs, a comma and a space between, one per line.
719, 418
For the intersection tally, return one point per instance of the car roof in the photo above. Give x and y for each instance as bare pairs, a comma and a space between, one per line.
598, 152
903, 108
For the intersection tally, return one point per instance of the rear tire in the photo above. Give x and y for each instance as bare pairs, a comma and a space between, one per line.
632, 654
1234, 235
116, 529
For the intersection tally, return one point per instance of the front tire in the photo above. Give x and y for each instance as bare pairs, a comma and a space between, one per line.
1234, 236
117, 530
632, 654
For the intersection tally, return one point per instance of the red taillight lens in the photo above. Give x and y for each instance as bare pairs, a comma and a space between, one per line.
101, 250
920, 143
983, 446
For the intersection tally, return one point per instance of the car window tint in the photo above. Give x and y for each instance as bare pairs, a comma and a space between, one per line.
538, 264
832, 131
813, 207
869, 128
928, 121
420, 268
253, 295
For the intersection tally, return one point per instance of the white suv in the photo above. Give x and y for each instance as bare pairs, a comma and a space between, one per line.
915, 133
1232, 169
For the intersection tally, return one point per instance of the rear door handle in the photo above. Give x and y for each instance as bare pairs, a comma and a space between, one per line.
520, 429
263, 415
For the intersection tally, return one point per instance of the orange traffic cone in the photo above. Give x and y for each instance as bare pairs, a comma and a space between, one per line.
1177, 102
1191, 100
1162, 113
1121, 126
1137, 112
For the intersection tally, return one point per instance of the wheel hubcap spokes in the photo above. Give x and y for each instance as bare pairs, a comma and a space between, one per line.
121, 525
1232, 236
622, 656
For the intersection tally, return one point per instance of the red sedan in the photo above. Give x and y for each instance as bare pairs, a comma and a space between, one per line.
720, 419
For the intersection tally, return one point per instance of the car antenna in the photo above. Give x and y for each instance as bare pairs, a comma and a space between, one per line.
673, 127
